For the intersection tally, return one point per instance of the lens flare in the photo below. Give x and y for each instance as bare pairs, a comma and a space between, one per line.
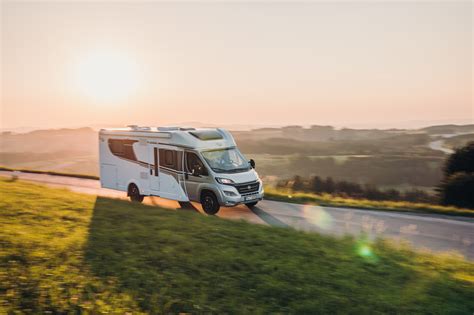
317, 216
365, 251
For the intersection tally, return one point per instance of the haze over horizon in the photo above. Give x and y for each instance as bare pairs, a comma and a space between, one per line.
357, 64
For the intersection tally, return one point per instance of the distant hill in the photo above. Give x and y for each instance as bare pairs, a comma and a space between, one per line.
385, 157
449, 129
50, 140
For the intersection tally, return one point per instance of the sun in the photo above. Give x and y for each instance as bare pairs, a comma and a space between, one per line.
106, 76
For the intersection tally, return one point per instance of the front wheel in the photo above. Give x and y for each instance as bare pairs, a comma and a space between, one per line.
209, 203
134, 193
251, 204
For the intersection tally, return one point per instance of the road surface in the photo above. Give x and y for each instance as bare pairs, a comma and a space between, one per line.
432, 232
438, 145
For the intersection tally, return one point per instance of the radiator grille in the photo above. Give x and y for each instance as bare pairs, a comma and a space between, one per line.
248, 188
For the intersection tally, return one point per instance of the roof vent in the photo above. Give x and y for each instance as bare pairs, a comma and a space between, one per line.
167, 128
137, 128
206, 135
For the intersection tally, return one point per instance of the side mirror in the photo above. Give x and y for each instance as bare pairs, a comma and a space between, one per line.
252, 163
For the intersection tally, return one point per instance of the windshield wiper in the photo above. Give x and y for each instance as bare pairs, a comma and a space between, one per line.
236, 170
219, 170
241, 169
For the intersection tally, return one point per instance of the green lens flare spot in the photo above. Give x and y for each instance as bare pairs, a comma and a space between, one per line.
365, 251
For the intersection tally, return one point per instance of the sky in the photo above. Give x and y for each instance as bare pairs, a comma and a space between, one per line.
354, 64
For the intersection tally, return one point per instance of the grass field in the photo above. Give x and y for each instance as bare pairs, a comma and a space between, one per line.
332, 201
33, 171
66, 252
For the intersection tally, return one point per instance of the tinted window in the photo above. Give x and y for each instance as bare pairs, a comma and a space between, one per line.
194, 162
171, 159
123, 148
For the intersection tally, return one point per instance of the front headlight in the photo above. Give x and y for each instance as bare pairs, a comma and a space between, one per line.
225, 181
230, 193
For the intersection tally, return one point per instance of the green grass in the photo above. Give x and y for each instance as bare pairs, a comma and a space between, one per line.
86, 176
331, 201
66, 252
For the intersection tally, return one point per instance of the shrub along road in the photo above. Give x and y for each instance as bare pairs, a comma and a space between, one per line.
433, 232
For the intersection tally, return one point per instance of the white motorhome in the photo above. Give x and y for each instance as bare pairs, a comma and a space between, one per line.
183, 164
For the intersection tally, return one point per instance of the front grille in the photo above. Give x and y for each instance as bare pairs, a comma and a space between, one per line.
248, 188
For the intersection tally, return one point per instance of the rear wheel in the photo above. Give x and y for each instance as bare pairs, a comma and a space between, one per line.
251, 204
209, 203
134, 193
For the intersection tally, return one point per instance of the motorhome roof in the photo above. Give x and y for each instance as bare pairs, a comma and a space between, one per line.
198, 138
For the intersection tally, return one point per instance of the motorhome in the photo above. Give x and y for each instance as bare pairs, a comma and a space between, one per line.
183, 164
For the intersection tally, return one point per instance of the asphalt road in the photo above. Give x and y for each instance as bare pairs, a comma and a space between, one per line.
431, 232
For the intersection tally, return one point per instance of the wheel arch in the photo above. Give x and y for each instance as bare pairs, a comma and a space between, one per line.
211, 188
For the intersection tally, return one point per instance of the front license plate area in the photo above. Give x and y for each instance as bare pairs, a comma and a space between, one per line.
251, 197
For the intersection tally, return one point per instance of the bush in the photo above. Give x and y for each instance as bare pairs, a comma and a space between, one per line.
318, 185
458, 190
462, 160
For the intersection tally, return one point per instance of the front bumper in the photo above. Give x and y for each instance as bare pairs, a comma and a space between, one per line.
230, 201
233, 201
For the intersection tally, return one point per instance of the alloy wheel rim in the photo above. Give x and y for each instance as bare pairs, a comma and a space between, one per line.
208, 203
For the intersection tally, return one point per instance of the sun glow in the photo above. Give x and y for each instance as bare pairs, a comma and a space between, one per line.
106, 77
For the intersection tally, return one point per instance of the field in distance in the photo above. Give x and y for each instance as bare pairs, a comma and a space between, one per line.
392, 158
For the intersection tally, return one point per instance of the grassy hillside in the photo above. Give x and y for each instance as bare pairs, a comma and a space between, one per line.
60, 150
66, 252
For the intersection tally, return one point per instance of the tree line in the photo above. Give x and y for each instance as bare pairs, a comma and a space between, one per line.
456, 188
346, 189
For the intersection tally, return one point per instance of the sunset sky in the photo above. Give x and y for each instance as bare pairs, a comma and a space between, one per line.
353, 63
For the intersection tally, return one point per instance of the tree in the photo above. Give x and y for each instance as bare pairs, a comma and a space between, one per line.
298, 184
329, 186
393, 194
316, 184
462, 160
458, 190
457, 187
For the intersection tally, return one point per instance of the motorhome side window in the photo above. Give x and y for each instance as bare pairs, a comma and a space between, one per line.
171, 159
123, 148
194, 162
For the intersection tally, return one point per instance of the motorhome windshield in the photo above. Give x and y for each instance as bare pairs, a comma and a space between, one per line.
228, 160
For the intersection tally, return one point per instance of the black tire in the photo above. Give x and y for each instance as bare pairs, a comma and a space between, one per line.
134, 193
209, 203
251, 204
